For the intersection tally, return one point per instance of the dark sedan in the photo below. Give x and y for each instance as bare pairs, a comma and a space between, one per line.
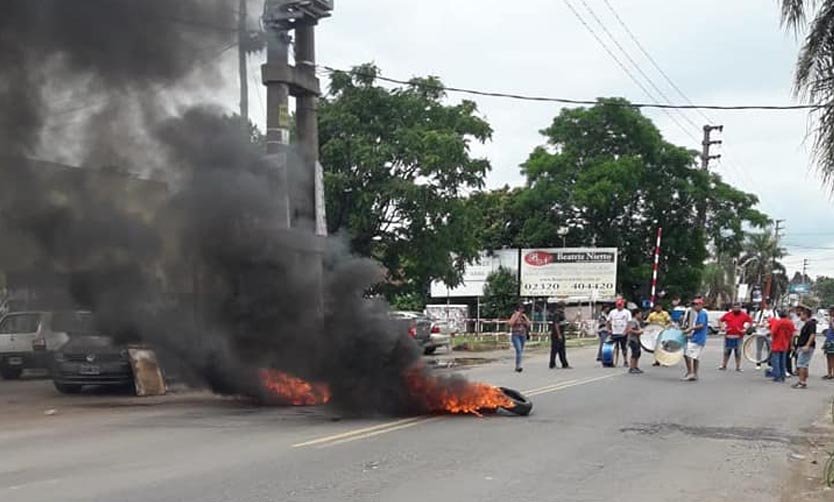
91, 360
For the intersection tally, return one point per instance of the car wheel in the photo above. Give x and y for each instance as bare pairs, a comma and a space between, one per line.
67, 388
522, 405
11, 373
429, 350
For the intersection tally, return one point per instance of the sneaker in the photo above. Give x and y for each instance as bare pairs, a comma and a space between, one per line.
799, 385
739, 370
758, 367
692, 378
519, 370
639, 371
633, 371
686, 378
722, 368
552, 366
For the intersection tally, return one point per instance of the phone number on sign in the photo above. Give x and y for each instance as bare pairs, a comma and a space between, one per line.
554, 287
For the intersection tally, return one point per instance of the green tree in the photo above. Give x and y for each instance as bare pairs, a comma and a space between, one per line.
500, 294
609, 177
397, 164
760, 258
824, 290
814, 79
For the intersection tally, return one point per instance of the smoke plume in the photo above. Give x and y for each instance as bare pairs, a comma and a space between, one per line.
193, 261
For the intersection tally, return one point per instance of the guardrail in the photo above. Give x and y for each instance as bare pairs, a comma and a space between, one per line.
494, 327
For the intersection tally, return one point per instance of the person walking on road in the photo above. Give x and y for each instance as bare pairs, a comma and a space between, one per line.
781, 334
828, 347
660, 317
520, 330
617, 325
634, 331
557, 339
602, 330
735, 323
763, 318
697, 340
805, 346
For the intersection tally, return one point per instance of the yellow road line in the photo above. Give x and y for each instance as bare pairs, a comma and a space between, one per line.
573, 384
423, 420
377, 430
356, 432
537, 389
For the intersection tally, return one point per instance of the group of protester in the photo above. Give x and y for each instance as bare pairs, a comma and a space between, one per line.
792, 334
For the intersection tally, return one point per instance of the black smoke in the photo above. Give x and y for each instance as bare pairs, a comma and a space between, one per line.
193, 261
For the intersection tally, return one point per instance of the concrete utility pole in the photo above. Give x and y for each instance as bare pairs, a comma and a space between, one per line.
708, 142
305, 200
242, 39
706, 157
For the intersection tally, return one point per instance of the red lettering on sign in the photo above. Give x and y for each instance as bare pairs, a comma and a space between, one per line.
538, 258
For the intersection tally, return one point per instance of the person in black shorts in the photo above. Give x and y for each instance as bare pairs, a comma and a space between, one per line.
635, 329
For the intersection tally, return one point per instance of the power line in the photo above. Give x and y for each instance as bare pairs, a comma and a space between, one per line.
651, 59
569, 101
635, 64
620, 63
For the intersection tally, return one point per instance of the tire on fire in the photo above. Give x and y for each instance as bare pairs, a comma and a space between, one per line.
522, 405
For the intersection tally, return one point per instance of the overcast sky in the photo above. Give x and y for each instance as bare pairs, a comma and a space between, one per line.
717, 52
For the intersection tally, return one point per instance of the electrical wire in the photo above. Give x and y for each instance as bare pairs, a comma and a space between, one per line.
589, 102
635, 64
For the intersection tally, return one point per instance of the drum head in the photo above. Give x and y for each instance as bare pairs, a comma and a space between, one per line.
756, 349
648, 340
671, 345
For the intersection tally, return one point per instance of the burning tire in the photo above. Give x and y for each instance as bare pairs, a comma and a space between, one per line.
522, 405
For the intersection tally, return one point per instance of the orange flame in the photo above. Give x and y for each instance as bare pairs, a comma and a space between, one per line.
294, 391
455, 397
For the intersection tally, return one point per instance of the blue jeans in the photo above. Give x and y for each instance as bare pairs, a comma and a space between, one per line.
778, 360
518, 345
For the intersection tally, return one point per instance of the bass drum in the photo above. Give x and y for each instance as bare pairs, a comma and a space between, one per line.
648, 340
670, 348
756, 348
608, 353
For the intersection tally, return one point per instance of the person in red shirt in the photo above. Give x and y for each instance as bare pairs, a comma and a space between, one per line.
735, 324
781, 334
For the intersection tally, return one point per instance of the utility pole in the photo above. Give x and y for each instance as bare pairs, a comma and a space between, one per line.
708, 142
242, 43
305, 198
706, 157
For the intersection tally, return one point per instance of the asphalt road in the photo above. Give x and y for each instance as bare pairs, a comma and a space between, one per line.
595, 434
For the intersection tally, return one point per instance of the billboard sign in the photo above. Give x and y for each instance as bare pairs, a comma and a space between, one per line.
570, 273
800, 289
475, 275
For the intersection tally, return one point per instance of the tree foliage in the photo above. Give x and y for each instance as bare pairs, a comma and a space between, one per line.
824, 290
607, 175
814, 79
397, 164
500, 294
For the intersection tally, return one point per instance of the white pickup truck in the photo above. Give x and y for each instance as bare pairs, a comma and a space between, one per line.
27, 338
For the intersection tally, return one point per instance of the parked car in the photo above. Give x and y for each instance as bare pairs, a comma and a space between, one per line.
90, 359
441, 334
27, 339
714, 321
419, 327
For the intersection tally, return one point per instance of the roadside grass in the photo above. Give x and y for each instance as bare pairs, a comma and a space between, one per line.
492, 342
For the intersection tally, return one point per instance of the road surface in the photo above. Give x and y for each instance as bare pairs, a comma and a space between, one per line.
596, 434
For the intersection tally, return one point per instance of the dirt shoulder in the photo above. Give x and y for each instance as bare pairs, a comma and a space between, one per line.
805, 481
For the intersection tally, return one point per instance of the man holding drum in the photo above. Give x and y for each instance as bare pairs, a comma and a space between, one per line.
697, 340
735, 323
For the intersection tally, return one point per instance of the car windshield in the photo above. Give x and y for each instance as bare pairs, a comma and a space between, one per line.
88, 343
19, 323
73, 322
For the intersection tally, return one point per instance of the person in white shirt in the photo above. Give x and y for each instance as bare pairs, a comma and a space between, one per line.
618, 320
763, 318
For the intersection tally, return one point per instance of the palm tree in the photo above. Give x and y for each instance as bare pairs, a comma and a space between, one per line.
717, 281
814, 80
760, 258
